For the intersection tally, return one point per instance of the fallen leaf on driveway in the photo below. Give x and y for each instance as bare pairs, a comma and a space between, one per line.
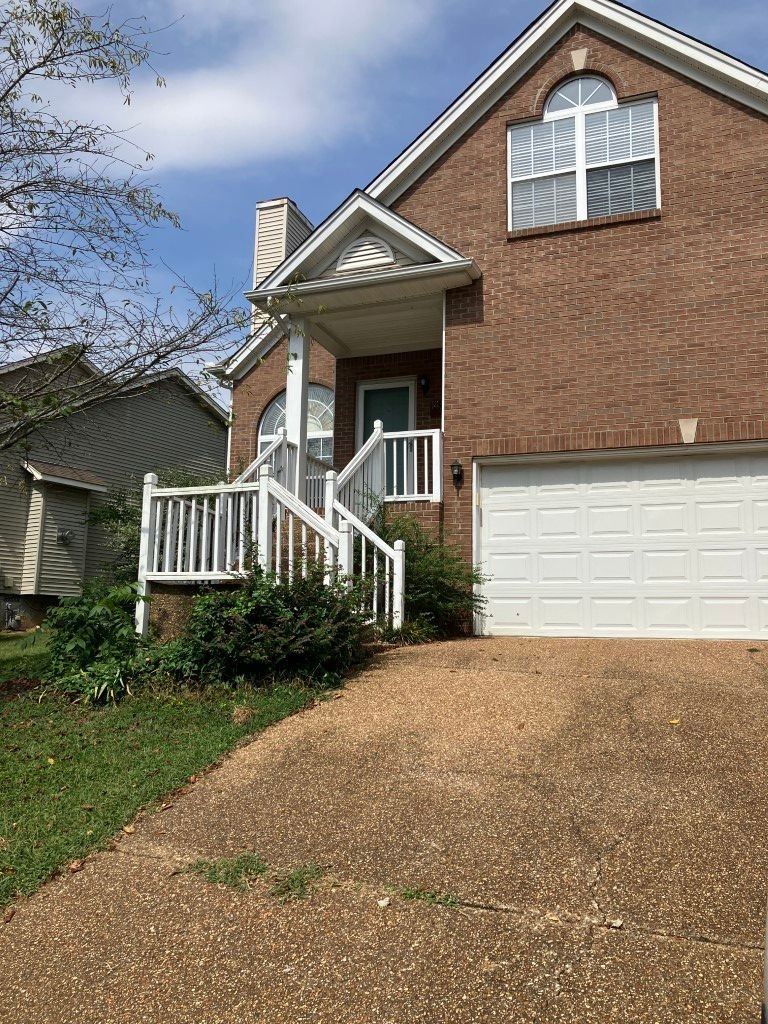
76, 865
8, 914
674, 721
129, 829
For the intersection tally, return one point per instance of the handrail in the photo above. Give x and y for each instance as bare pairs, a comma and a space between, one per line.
306, 514
260, 460
362, 528
396, 435
357, 461
188, 492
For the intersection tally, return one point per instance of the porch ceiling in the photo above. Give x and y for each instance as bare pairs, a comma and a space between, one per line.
394, 311
387, 327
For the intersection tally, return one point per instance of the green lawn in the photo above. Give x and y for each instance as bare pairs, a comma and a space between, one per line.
72, 775
22, 656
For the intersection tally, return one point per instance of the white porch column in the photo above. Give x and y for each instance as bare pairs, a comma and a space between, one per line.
296, 401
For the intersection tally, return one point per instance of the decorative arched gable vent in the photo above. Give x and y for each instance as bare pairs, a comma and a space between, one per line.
365, 253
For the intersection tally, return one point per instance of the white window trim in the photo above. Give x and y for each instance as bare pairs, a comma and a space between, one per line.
380, 385
311, 435
580, 168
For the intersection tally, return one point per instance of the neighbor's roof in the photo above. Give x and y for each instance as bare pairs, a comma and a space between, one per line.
173, 373
50, 472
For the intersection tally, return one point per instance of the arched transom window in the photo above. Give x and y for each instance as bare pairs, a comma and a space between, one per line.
589, 156
319, 422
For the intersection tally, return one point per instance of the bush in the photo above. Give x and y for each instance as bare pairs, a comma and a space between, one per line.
440, 595
92, 641
267, 629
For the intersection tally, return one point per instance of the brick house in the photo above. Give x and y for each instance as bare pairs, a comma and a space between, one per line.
553, 302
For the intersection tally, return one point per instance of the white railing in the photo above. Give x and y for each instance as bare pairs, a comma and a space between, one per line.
217, 534
414, 465
278, 455
361, 484
379, 567
315, 487
393, 466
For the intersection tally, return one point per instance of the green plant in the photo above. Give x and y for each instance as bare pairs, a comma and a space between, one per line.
92, 641
267, 629
440, 585
430, 897
295, 885
236, 872
23, 657
73, 773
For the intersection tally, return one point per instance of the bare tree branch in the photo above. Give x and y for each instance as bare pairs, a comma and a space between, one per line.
75, 215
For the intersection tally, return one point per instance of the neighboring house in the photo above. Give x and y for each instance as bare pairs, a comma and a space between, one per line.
49, 487
554, 300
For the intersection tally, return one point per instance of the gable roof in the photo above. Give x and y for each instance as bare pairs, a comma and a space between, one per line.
683, 53
356, 210
52, 473
173, 373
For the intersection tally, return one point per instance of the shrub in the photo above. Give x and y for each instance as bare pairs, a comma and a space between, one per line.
267, 629
440, 595
92, 641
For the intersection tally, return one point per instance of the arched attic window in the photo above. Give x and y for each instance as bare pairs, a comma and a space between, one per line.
589, 156
366, 253
320, 403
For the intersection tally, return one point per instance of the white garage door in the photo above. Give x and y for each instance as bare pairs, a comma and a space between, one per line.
661, 546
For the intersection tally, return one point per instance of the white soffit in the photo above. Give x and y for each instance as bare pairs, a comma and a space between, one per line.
680, 52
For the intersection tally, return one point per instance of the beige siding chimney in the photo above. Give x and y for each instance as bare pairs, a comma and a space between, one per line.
281, 227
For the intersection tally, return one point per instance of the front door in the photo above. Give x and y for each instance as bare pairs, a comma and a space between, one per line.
393, 405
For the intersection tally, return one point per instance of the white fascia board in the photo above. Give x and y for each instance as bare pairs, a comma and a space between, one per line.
689, 56
257, 347
323, 286
356, 205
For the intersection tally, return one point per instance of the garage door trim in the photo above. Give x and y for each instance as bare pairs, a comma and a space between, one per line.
692, 451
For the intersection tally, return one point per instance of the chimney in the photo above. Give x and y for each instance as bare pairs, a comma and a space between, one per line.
281, 227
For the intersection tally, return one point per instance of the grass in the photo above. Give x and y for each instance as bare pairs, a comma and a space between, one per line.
236, 872
23, 656
430, 897
71, 775
295, 885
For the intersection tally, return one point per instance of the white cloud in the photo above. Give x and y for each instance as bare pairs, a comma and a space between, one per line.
258, 81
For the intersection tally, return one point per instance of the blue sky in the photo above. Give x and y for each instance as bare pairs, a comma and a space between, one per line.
311, 98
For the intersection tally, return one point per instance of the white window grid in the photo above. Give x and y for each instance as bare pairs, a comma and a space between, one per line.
580, 167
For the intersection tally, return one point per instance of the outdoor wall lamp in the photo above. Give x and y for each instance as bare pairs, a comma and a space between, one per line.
457, 472
424, 384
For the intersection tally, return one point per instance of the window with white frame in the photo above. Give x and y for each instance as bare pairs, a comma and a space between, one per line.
320, 402
589, 156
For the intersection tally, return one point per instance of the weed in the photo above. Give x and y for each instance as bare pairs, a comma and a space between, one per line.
430, 897
295, 885
236, 872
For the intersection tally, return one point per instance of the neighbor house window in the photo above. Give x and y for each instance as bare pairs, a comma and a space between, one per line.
589, 156
319, 422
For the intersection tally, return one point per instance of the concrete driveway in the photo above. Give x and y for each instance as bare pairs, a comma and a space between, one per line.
599, 810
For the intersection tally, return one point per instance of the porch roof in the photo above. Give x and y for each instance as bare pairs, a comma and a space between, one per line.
393, 304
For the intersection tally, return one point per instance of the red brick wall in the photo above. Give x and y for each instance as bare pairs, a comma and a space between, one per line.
428, 514
349, 372
604, 335
253, 393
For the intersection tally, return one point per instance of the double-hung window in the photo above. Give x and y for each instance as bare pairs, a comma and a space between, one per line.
587, 157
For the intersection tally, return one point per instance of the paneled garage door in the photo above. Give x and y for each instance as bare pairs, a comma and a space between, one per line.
663, 546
